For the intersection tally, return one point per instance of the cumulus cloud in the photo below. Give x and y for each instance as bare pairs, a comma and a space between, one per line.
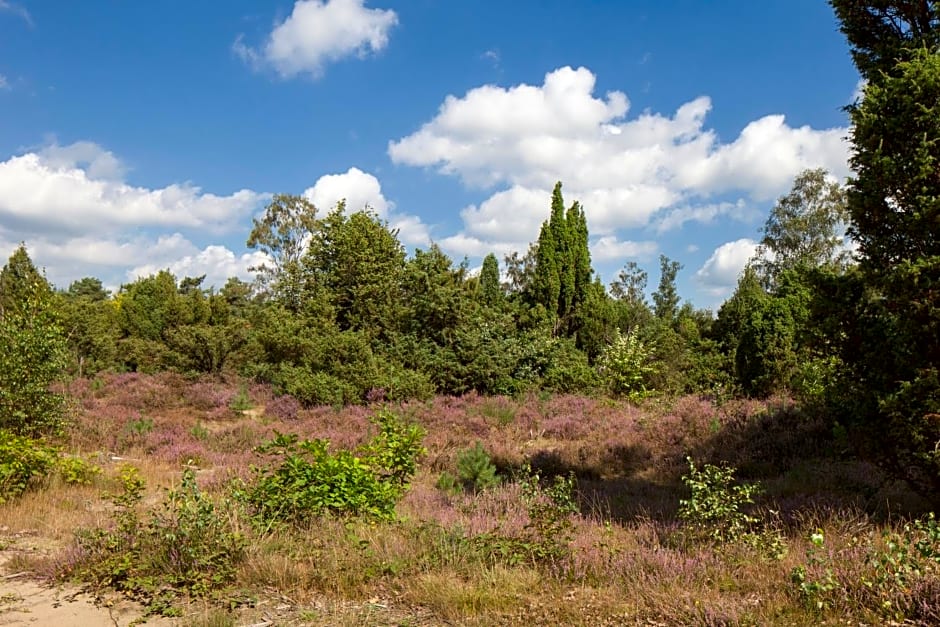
609, 248
644, 171
318, 32
79, 217
218, 263
361, 190
78, 187
720, 272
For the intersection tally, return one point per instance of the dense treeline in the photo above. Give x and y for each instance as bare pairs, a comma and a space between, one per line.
840, 307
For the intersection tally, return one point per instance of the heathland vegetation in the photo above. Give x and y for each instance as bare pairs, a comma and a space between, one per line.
363, 436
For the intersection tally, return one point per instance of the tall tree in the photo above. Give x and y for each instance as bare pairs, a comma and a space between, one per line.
563, 274
883, 32
490, 289
282, 234
892, 346
32, 350
805, 228
666, 296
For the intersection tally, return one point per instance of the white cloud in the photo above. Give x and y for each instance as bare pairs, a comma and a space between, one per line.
609, 248
318, 32
77, 188
218, 263
16, 9
78, 217
676, 217
628, 172
719, 274
4, 83
359, 189
859, 91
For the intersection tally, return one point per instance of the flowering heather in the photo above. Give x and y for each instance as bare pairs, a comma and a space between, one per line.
457, 555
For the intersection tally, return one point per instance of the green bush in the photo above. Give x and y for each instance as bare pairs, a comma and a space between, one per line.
714, 508
314, 388
475, 469
626, 365
23, 464
307, 479
188, 545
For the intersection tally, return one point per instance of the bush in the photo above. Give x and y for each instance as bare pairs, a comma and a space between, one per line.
475, 469
23, 464
626, 366
188, 545
714, 508
309, 480
314, 388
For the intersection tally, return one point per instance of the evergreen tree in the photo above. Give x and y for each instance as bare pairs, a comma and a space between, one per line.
666, 296
490, 289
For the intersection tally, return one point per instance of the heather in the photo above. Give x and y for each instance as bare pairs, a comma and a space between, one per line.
586, 518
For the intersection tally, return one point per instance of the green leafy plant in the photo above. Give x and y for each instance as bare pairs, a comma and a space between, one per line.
241, 402
815, 581
24, 462
308, 479
77, 471
189, 545
627, 366
550, 506
715, 506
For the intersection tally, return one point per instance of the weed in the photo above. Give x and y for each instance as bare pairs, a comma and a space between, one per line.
241, 402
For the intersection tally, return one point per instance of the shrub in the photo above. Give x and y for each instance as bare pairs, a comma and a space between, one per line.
188, 545
715, 505
310, 480
23, 463
627, 367
475, 469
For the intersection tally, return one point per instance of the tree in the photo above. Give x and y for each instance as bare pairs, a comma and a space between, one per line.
490, 289
805, 228
32, 348
562, 275
882, 33
358, 261
891, 343
666, 296
90, 288
630, 285
282, 234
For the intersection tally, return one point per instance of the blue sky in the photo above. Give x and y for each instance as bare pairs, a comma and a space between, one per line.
136, 136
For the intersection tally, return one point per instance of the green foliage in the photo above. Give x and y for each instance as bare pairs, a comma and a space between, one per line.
475, 469
24, 463
627, 365
306, 479
33, 350
562, 272
76, 471
188, 544
805, 228
282, 235
714, 508
895, 564
490, 290
550, 506
666, 296
241, 402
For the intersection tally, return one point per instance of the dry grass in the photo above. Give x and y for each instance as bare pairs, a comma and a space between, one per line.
443, 560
